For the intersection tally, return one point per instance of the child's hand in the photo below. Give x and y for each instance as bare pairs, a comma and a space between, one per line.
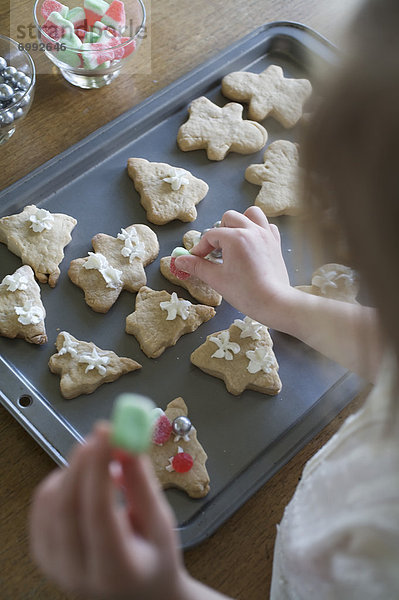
87, 542
253, 276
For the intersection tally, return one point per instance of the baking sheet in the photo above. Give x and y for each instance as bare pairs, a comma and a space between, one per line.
247, 438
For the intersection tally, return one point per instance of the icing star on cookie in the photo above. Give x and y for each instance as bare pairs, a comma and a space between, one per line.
83, 366
242, 356
269, 94
178, 461
160, 319
38, 237
166, 192
117, 264
280, 178
219, 130
335, 281
21, 310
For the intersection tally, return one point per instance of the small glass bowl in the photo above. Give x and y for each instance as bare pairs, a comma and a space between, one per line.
70, 61
14, 110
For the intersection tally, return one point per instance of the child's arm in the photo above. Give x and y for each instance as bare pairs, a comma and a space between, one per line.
253, 278
85, 541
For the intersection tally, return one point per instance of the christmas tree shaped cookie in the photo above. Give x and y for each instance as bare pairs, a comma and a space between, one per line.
38, 237
219, 130
117, 264
176, 454
280, 178
269, 94
83, 366
198, 289
242, 356
335, 281
21, 310
166, 192
160, 319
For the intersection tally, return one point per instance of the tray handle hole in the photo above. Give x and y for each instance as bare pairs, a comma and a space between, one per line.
25, 401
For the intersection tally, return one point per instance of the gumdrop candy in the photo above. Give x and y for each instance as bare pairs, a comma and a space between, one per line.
77, 16
57, 27
162, 430
115, 16
95, 10
182, 462
50, 6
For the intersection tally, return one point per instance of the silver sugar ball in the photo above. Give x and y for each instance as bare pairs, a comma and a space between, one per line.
181, 426
18, 113
2, 80
3, 64
17, 96
6, 92
9, 72
217, 224
7, 118
21, 80
25, 100
205, 231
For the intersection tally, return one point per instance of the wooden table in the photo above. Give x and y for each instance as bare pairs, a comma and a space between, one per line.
237, 559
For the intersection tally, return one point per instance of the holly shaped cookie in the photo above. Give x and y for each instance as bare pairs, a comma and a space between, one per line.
21, 310
335, 281
83, 366
38, 237
166, 192
117, 264
280, 180
219, 130
176, 454
160, 319
242, 356
269, 94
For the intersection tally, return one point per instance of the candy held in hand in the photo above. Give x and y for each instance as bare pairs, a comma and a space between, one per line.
179, 251
132, 423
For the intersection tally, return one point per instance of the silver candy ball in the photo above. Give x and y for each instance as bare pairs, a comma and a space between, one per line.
17, 96
2, 80
3, 64
6, 92
181, 425
217, 224
6, 118
22, 80
18, 113
9, 72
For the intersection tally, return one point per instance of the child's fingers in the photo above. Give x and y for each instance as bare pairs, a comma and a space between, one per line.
257, 216
199, 267
232, 218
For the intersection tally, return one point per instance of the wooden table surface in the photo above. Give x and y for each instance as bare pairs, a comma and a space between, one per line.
237, 559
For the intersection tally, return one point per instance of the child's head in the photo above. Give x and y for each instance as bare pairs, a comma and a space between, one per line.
353, 148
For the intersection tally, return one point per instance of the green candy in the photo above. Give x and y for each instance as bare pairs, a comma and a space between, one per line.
179, 252
132, 423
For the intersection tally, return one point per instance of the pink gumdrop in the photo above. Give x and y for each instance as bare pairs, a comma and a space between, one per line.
128, 48
50, 6
115, 16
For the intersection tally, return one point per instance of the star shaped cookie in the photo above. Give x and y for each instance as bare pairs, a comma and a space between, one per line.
281, 180
194, 481
38, 237
83, 366
269, 94
117, 264
21, 310
166, 192
242, 356
160, 319
198, 289
219, 130
335, 281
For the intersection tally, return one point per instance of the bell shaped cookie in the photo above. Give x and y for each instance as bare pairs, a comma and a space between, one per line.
83, 366
38, 237
160, 319
269, 94
219, 130
117, 264
176, 454
335, 281
242, 356
21, 310
166, 192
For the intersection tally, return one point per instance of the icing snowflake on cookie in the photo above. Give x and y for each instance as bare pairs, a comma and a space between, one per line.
330, 279
94, 361
42, 219
68, 346
260, 359
112, 276
249, 328
177, 178
133, 246
176, 307
15, 282
29, 313
226, 349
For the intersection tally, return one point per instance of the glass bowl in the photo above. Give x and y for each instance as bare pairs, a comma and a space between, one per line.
17, 83
91, 66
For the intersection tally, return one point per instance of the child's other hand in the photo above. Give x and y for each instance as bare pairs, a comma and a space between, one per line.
253, 276
87, 542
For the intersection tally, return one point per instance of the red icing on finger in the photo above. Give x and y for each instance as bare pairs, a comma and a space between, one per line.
177, 272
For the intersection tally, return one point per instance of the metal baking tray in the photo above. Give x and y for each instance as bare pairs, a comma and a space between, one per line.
247, 438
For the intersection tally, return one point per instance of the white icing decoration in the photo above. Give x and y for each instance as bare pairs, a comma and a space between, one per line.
330, 279
169, 467
41, 220
176, 307
260, 359
94, 361
29, 313
112, 276
68, 346
185, 437
249, 328
15, 282
226, 349
177, 178
133, 247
